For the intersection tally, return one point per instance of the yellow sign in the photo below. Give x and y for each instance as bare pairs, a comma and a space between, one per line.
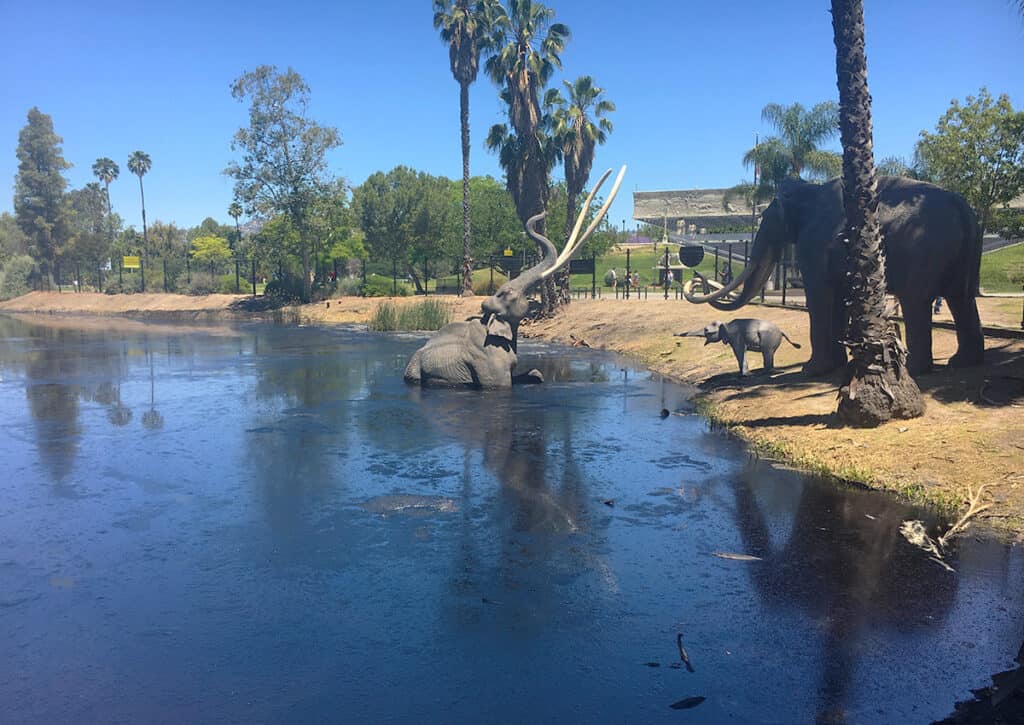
507, 252
130, 262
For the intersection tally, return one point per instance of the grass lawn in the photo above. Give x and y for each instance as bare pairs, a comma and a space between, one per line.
995, 265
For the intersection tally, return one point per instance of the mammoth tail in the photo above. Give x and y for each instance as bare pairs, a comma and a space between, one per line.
794, 344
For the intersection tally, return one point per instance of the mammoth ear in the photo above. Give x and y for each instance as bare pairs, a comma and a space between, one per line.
499, 328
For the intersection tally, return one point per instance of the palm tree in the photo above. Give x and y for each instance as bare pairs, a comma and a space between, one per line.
107, 170
880, 388
526, 45
235, 211
794, 151
465, 27
577, 136
139, 164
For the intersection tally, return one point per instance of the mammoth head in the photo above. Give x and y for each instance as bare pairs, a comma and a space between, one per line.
711, 332
503, 310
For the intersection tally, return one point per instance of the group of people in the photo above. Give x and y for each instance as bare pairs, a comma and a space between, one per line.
629, 280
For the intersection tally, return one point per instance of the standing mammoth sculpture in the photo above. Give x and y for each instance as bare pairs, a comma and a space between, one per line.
481, 351
932, 248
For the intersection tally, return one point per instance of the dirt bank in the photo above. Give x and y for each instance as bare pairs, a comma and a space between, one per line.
971, 434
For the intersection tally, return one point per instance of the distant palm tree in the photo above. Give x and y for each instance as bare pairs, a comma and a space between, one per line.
465, 26
526, 47
107, 170
235, 211
577, 136
139, 164
879, 388
795, 152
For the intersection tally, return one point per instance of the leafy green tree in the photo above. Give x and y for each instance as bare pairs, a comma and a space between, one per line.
139, 164
211, 252
465, 26
977, 149
90, 244
284, 153
40, 202
406, 218
879, 387
495, 224
13, 241
332, 225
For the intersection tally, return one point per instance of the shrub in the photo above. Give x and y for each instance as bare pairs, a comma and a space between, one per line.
425, 315
129, 284
378, 286
201, 284
285, 291
1009, 223
226, 284
16, 275
349, 287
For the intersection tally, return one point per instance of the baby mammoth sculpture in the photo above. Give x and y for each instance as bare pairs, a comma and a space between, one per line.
481, 351
744, 334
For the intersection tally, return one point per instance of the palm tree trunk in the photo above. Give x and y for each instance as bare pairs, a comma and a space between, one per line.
880, 388
563, 294
467, 257
145, 233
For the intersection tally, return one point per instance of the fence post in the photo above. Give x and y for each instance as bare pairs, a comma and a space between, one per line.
165, 275
120, 277
716, 263
784, 275
78, 276
593, 276
188, 269
254, 276
142, 273
629, 278
238, 280
394, 277
364, 276
491, 265
99, 271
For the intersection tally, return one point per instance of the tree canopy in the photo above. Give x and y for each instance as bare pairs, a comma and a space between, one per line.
977, 149
284, 152
40, 203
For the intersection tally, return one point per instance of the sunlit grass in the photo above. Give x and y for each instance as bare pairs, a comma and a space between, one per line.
995, 265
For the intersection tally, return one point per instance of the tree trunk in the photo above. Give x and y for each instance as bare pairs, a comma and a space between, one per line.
879, 388
467, 257
145, 233
562, 277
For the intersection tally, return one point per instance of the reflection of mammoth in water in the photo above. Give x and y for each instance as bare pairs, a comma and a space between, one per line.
844, 563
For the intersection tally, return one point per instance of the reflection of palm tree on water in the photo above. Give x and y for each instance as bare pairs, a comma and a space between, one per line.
846, 566
152, 419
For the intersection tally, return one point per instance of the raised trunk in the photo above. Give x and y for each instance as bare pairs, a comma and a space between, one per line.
467, 258
879, 388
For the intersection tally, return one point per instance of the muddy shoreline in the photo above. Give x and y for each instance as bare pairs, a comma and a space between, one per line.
972, 433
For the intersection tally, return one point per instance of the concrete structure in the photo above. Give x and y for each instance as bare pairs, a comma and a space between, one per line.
691, 209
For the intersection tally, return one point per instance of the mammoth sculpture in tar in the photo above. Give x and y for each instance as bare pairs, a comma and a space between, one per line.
481, 351
932, 248
744, 334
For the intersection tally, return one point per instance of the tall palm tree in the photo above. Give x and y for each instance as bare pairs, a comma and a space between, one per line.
139, 164
577, 136
880, 388
107, 170
526, 46
235, 211
465, 27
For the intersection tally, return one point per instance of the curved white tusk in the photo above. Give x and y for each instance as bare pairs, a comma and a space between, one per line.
573, 243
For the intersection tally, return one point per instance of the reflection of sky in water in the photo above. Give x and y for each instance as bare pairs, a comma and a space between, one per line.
266, 523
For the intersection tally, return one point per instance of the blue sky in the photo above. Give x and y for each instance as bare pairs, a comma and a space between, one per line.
689, 80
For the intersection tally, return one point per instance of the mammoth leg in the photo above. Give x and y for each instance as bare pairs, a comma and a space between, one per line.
970, 342
917, 315
740, 350
827, 352
768, 347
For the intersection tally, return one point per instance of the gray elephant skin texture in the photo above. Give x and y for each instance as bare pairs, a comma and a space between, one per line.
481, 352
744, 334
932, 245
